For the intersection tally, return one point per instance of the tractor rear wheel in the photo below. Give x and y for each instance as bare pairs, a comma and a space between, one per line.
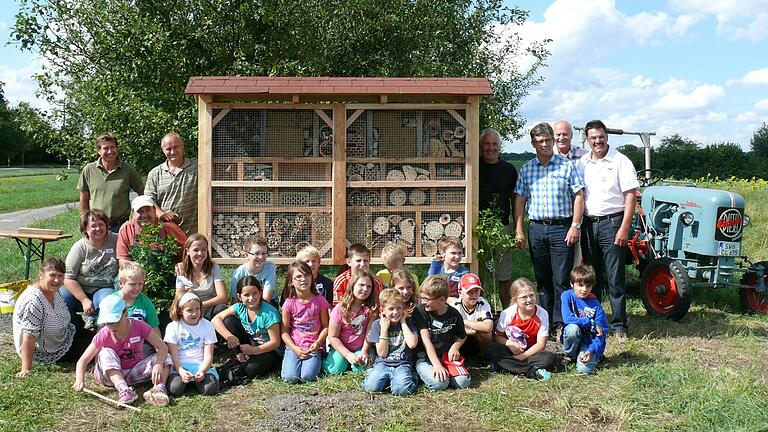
666, 289
751, 300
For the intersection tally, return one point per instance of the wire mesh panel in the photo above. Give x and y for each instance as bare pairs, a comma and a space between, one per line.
250, 132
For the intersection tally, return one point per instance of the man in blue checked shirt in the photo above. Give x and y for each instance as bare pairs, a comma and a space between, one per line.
553, 189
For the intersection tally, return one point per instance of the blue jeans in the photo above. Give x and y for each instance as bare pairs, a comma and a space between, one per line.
400, 379
598, 250
74, 304
426, 372
552, 262
574, 346
296, 370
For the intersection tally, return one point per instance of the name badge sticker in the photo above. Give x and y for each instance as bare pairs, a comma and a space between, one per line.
135, 339
437, 324
109, 250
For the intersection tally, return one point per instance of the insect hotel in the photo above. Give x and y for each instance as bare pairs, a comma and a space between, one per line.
335, 161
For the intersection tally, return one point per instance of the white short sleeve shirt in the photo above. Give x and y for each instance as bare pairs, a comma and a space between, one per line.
606, 181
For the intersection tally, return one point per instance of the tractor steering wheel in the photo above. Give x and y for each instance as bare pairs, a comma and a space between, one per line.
656, 175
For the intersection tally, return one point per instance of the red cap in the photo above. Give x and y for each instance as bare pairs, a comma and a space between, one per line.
469, 281
454, 368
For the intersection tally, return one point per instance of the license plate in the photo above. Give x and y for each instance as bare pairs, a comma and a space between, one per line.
727, 248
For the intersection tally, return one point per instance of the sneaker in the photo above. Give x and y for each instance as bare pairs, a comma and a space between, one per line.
543, 374
494, 367
127, 396
90, 324
155, 396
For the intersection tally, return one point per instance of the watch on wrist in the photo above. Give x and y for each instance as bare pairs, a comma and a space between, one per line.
576, 225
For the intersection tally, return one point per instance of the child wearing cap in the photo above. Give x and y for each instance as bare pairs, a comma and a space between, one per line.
584, 319
120, 361
477, 314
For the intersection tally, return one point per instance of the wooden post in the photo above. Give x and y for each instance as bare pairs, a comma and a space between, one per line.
339, 179
472, 155
204, 167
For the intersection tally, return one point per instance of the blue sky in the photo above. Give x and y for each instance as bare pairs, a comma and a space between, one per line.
697, 68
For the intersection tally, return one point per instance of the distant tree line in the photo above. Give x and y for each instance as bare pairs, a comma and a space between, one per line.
25, 135
681, 157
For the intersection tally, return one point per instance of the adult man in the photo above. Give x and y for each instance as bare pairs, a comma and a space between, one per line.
552, 188
497, 190
563, 136
107, 183
173, 185
611, 184
145, 214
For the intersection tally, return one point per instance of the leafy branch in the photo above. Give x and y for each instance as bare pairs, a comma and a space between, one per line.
157, 256
493, 242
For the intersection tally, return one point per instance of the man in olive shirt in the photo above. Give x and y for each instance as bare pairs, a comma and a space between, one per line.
106, 184
497, 189
173, 185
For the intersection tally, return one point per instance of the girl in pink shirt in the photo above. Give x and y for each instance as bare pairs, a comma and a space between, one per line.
305, 325
349, 325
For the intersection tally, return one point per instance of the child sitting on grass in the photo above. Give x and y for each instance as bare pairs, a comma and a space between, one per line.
521, 335
441, 330
447, 263
251, 327
131, 280
310, 256
478, 318
305, 326
120, 361
190, 339
349, 324
585, 321
358, 258
395, 337
393, 256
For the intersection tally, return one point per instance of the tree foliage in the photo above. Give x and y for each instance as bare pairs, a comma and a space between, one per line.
122, 65
759, 142
25, 134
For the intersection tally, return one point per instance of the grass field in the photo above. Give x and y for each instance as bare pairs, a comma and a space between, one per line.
707, 372
38, 188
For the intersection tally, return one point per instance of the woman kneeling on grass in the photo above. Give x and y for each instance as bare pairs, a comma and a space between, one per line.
42, 331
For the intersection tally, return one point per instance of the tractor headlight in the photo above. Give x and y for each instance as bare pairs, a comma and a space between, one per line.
746, 220
687, 218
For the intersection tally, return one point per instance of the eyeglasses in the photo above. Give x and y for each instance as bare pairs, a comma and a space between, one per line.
427, 299
257, 254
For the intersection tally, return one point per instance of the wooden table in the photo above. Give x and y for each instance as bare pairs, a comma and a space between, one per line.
32, 242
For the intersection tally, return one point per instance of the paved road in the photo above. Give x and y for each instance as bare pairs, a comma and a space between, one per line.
24, 218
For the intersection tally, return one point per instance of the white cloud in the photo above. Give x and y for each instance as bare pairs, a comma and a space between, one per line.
703, 96
753, 77
761, 105
641, 82
20, 85
740, 19
746, 116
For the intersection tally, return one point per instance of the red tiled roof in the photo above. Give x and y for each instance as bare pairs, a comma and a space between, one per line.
337, 86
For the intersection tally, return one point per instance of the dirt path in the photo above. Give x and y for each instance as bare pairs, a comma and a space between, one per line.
15, 220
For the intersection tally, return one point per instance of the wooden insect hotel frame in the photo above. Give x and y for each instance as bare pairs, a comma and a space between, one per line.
335, 161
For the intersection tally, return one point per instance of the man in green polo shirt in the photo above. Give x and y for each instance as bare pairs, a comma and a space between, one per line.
173, 185
107, 183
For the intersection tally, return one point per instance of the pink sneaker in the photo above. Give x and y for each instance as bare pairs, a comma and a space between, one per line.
155, 396
127, 396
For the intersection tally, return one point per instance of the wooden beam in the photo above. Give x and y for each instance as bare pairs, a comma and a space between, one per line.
204, 167
458, 118
412, 106
383, 99
407, 184
339, 198
271, 184
353, 117
219, 116
472, 155
325, 117
295, 98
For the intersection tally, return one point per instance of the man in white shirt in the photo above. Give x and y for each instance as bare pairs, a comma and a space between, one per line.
610, 186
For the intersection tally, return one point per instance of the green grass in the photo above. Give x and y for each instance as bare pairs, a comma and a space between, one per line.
27, 192
706, 372
33, 171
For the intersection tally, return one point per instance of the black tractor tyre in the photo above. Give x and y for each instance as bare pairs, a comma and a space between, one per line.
666, 289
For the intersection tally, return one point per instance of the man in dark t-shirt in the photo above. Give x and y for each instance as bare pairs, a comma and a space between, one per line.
497, 189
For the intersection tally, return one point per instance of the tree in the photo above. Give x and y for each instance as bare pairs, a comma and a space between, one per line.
122, 65
759, 142
635, 154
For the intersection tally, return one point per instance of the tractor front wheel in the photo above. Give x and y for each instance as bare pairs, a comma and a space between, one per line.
751, 300
666, 289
